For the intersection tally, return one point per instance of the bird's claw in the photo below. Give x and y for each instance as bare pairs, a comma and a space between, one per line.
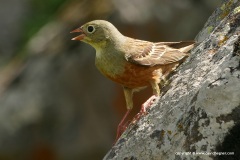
144, 107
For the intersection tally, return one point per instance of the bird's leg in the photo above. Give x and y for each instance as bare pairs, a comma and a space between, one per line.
149, 102
129, 102
122, 126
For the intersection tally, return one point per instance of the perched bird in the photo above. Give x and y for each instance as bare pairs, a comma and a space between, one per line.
132, 63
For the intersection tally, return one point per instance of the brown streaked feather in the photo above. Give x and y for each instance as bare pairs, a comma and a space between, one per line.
160, 53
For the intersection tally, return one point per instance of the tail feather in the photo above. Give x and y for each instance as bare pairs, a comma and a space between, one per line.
186, 48
183, 46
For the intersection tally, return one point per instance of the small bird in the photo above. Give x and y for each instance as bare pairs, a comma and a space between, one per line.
132, 63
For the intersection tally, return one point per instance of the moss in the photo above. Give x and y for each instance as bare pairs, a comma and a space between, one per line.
169, 132
210, 29
223, 40
180, 127
226, 8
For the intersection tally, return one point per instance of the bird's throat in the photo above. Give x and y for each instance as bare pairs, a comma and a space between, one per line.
109, 64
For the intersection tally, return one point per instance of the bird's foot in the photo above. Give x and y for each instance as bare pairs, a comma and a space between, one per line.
147, 104
144, 108
143, 111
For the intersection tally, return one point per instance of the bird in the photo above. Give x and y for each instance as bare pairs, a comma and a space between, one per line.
132, 63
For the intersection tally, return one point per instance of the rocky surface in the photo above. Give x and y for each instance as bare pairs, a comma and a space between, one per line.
199, 111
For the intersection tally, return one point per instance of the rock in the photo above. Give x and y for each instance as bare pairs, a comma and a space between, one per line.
198, 113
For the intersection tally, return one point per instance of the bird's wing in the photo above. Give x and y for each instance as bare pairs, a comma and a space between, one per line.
150, 54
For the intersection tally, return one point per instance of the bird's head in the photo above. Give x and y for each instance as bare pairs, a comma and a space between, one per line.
98, 33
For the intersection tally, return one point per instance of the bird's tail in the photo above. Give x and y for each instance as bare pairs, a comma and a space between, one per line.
187, 48
182, 46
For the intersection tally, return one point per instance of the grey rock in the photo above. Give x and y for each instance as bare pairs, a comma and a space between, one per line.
199, 110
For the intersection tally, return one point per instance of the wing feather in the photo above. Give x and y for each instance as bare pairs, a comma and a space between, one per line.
150, 54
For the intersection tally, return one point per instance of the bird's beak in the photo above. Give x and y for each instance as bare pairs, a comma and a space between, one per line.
81, 36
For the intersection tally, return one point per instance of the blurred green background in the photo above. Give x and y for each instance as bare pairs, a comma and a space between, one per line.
54, 104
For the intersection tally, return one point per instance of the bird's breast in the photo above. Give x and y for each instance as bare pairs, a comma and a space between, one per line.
125, 73
135, 76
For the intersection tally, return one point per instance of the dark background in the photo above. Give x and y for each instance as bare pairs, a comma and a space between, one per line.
54, 104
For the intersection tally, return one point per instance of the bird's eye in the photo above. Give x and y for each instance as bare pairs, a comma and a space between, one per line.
90, 29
